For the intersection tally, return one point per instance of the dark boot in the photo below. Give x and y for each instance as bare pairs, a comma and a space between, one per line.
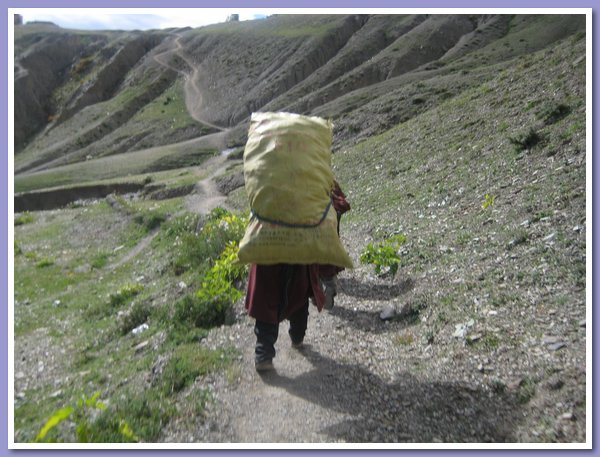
298, 323
264, 351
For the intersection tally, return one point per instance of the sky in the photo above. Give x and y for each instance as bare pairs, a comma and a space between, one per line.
131, 19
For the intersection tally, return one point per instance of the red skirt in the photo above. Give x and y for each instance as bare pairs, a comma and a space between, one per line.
275, 292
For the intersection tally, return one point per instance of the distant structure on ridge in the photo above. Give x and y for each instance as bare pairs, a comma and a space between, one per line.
233, 18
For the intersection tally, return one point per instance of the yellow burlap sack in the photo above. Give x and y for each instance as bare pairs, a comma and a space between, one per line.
288, 178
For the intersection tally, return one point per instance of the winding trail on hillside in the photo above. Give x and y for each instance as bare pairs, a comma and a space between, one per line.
20, 71
137, 249
193, 93
206, 195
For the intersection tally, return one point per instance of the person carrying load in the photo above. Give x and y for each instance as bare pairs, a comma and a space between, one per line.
292, 240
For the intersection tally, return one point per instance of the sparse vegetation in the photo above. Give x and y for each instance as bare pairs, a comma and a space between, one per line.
525, 140
25, 218
384, 256
136, 316
44, 262
551, 113
125, 293
100, 260
86, 431
488, 201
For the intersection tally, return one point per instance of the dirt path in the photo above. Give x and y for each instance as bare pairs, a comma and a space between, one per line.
292, 403
349, 383
206, 195
193, 93
137, 249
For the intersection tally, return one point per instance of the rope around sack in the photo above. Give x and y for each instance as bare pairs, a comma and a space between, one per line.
286, 224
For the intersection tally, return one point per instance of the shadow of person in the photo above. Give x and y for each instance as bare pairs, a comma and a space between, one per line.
371, 321
407, 410
374, 290
367, 321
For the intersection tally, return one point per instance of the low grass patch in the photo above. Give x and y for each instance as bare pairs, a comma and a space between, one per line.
44, 262
525, 140
125, 293
24, 218
100, 260
526, 391
126, 167
147, 214
170, 105
98, 307
404, 339
188, 362
141, 416
552, 112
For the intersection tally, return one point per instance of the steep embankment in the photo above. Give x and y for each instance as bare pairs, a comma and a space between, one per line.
44, 60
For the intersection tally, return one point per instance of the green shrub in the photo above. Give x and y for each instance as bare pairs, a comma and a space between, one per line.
209, 306
217, 242
202, 248
219, 280
384, 256
488, 201
217, 213
525, 140
45, 262
192, 311
24, 218
123, 294
86, 430
100, 260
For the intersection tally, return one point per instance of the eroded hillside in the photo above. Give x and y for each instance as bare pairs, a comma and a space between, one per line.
82, 95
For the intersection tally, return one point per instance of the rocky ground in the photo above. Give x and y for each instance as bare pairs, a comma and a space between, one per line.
359, 378
372, 371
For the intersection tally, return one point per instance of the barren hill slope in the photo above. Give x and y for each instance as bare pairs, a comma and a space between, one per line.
83, 95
